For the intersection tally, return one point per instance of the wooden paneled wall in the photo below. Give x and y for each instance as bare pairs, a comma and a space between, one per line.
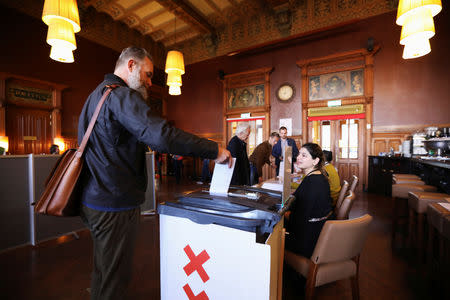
386, 137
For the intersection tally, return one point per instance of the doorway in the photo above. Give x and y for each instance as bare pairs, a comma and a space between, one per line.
29, 130
345, 138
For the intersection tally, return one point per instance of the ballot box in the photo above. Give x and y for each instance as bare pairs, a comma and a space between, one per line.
222, 247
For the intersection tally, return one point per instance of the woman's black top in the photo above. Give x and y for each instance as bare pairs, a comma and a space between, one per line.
312, 201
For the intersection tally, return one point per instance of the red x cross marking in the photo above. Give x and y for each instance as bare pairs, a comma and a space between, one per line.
196, 263
191, 296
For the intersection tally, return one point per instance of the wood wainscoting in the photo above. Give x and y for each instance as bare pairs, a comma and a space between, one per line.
385, 137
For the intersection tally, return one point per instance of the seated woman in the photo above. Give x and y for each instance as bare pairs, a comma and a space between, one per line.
312, 206
333, 177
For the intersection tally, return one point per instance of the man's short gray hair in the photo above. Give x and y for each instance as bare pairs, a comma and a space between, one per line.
241, 127
132, 52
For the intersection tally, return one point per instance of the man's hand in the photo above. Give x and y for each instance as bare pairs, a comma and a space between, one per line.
224, 156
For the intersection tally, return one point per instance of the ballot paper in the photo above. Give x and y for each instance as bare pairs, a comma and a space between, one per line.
221, 178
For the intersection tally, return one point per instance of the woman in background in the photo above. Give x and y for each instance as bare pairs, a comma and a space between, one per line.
312, 206
333, 177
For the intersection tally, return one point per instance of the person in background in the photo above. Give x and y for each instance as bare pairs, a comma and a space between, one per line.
54, 149
312, 206
178, 167
114, 175
206, 174
333, 177
261, 156
238, 149
158, 159
279, 148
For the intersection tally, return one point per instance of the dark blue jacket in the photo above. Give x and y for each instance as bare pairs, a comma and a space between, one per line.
114, 175
276, 152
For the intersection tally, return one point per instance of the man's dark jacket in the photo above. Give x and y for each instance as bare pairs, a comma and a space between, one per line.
114, 176
241, 173
276, 152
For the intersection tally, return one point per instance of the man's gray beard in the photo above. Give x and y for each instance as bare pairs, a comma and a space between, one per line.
134, 81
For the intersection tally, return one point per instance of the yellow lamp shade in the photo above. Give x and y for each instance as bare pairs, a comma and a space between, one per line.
61, 54
174, 79
418, 25
4, 143
175, 62
62, 9
174, 90
416, 48
60, 34
406, 7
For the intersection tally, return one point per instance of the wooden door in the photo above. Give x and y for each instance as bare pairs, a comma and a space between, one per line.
29, 130
345, 138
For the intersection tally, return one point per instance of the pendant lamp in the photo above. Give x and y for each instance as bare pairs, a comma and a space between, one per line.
418, 25
406, 7
175, 62
62, 9
174, 68
63, 22
416, 19
62, 39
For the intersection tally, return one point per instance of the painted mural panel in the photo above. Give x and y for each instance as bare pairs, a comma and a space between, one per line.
336, 85
249, 96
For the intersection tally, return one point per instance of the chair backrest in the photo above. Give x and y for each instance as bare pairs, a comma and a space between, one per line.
354, 183
342, 193
341, 240
346, 206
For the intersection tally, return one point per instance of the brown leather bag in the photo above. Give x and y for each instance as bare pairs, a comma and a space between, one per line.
61, 195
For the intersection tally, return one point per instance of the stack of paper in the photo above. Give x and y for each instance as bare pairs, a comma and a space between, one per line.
273, 184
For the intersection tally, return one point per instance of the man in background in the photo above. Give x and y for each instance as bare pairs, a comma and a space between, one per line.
238, 149
261, 156
279, 148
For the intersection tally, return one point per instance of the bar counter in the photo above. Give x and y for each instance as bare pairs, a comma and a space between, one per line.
432, 171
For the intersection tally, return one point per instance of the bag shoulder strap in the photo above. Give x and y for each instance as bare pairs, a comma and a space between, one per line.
94, 119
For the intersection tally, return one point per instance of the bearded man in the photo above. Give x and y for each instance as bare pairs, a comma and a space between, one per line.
114, 176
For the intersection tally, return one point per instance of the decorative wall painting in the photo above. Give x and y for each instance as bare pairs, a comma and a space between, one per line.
249, 96
336, 85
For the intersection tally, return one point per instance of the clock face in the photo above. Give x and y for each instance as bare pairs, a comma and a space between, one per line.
285, 92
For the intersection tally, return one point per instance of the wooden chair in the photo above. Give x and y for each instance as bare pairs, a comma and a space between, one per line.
336, 255
354, 183
341, 197
344, 210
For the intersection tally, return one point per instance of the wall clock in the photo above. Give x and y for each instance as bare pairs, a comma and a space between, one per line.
285, 92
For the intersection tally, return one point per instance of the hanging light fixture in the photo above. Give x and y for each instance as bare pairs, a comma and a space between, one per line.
416, 19
407, 7
174, 68
63, 22
62, 39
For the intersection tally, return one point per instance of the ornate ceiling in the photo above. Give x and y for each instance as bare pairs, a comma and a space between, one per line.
204, 29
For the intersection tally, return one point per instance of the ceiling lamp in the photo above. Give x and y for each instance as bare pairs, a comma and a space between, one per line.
62, 39
406, 7
175, 62
63, 22
416, 19
174, 70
